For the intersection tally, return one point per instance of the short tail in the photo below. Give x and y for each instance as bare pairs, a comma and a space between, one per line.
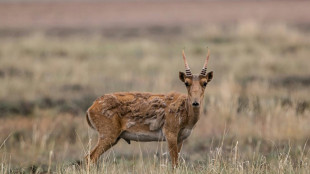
88, 121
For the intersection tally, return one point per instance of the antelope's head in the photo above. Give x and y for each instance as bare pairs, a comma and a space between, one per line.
196, 84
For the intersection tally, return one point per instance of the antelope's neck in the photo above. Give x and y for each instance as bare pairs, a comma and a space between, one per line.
193, 113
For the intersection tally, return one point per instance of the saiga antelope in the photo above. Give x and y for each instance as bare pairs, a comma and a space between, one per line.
149, 117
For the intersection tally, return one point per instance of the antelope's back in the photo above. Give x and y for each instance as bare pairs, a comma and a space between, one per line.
135, 105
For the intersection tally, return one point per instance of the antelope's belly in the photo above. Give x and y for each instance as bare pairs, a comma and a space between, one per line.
185, 133
144, 136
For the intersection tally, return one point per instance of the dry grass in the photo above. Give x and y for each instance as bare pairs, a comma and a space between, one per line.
256, 116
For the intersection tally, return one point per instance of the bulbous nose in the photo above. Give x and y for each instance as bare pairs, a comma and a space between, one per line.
195, 104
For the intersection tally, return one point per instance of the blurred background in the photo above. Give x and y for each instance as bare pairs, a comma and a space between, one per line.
57, 57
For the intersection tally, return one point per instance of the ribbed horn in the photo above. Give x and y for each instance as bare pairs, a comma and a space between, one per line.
187, 69
204, 68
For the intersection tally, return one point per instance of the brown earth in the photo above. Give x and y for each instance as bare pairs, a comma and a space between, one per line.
31, 15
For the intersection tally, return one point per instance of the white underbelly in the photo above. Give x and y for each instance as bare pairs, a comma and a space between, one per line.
144, 136
185, 133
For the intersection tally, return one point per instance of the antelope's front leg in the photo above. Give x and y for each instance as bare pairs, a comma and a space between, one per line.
172, 140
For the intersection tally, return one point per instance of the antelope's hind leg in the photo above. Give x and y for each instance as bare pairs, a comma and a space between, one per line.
109, 131
104, 144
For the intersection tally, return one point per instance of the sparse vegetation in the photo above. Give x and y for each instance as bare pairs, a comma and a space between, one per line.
257, 108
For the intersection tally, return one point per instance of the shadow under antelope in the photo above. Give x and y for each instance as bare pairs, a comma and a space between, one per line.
149, 117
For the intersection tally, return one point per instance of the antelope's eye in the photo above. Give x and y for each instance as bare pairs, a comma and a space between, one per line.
186, 84
205, 84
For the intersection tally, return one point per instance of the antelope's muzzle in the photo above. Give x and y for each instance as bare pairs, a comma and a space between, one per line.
195, 104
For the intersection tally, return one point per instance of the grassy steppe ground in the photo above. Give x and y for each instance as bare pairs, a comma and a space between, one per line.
255, 120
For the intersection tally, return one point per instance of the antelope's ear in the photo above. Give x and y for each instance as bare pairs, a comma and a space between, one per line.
209, 76
182, 76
